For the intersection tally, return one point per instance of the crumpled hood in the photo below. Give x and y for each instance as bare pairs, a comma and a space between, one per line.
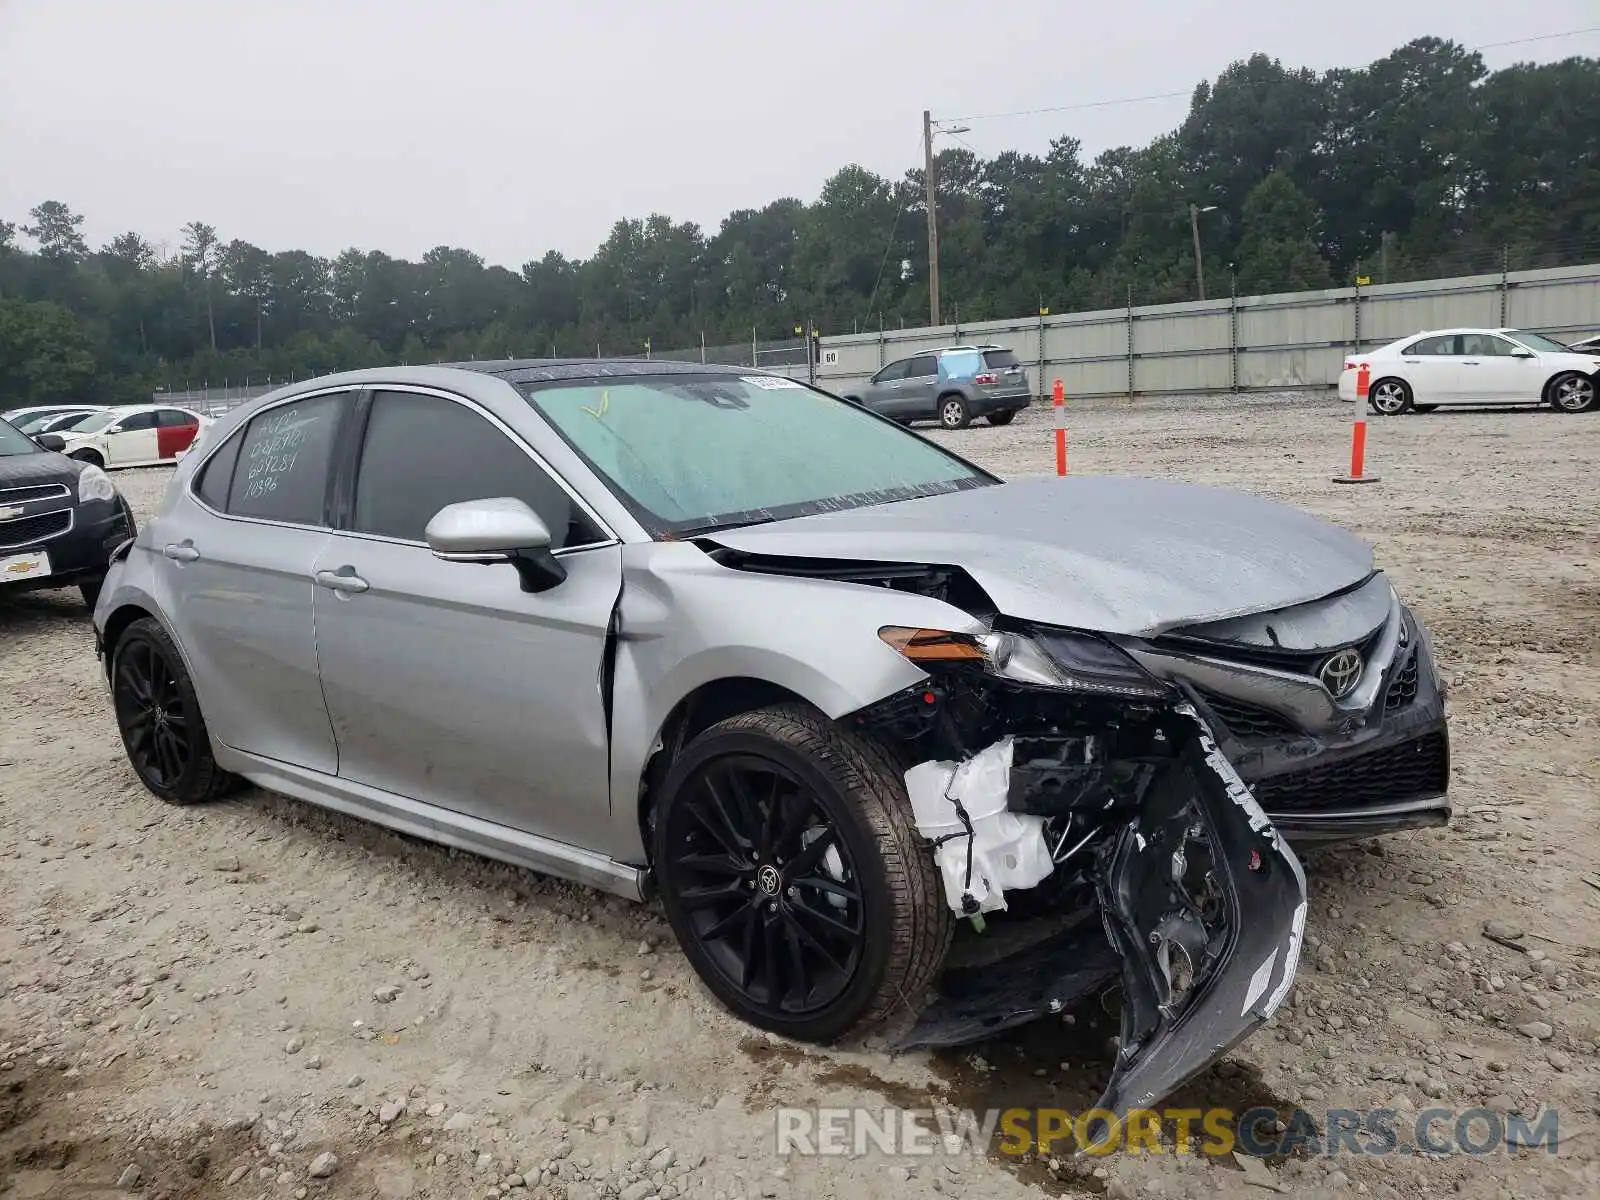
1112, 554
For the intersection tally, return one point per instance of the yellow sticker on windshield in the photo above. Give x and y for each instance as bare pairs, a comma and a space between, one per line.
605, 403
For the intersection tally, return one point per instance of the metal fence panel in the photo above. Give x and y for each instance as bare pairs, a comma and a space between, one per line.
1287, 340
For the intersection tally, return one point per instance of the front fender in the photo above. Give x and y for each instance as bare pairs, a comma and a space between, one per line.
686, 621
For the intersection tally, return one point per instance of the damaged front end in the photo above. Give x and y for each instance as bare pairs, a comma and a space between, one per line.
1055, 778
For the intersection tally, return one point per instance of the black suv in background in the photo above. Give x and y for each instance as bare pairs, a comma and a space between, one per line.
951, 386
60, 519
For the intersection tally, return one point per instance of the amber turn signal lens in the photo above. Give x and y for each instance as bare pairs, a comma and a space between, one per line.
932, 645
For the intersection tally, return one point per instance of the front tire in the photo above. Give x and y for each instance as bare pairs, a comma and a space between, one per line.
1571, 392
92, 457
90, 593
1003, 417
1390, 397
163, 732
953, 412
794, 878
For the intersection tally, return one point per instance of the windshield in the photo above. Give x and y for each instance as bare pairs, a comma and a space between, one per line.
35, 422
71, 421
1537, 341
1000, 359
693, 453
95, 422
13, 443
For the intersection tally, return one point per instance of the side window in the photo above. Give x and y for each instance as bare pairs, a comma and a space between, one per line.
895, 370
923, 366
421, 453
1444, 343
143, 420
172, 418
1485, 345
217, 475
283, 460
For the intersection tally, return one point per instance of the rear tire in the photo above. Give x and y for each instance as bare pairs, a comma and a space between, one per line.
1571, 392
793, 875
1003, 417
163, 731
953, 412
1389, 397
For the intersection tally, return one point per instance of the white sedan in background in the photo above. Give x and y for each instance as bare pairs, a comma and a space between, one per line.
1473, 366
136, 435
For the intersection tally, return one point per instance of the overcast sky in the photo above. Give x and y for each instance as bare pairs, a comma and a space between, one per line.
513, 127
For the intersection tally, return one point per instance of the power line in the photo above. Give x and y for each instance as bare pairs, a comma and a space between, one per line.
1033, 112
1058, 108
1540, 37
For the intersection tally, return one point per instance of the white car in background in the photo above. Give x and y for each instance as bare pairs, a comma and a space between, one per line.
1473, 366
28, 420
136, 435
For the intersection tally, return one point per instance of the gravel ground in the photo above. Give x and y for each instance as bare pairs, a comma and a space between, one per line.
260, 999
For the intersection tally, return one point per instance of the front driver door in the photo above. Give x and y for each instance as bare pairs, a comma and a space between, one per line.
132, 440
447, 683
883, 392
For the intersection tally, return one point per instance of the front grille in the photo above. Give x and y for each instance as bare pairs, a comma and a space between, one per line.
37, 491
1408, 771
1403, 689
27, 530
1247, 722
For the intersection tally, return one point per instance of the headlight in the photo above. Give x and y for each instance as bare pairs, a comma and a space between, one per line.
1075, 662
95, 484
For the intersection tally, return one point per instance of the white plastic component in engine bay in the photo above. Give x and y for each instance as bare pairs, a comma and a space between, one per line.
1008, 850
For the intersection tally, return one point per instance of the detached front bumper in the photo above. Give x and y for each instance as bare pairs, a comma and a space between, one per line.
1202, 911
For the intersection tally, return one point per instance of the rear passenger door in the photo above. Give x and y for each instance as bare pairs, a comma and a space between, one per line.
1432, 366
238, 582
175, 431
447, 683
920, 393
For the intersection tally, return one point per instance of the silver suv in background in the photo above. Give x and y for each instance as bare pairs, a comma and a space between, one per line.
951, 386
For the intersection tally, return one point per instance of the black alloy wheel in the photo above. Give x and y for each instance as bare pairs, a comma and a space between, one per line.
793, 876
159, 717
768, 886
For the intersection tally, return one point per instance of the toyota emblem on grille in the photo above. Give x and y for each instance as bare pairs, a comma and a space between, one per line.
1341, 672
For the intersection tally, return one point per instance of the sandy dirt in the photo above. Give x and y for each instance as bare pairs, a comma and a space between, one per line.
207, 1002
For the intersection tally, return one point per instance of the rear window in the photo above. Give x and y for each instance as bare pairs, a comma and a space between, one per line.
1000, 358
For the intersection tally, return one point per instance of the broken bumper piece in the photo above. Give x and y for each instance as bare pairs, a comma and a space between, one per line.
1202, 910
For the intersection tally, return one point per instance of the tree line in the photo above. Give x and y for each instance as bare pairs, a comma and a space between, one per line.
1422, 162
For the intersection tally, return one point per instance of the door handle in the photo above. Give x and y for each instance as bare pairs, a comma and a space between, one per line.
1470, 363
183, 552
343, 580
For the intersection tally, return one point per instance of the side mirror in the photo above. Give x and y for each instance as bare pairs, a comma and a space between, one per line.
1523, 352
501, 530
51, 441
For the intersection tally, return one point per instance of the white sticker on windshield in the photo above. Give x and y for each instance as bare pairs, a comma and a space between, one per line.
771, 383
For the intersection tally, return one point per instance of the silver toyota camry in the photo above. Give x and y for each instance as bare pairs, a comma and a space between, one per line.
897, 743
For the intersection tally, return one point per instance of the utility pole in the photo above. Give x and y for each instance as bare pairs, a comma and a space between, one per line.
933, 218
1199, 263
